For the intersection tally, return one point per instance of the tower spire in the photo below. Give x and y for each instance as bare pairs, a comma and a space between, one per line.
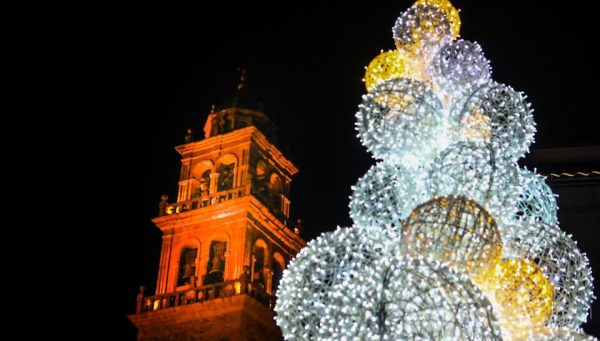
242, 83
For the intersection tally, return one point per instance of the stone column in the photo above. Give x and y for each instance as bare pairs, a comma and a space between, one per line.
214, 177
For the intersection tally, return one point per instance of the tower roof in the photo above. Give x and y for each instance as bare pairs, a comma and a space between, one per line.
239, 110
242, 97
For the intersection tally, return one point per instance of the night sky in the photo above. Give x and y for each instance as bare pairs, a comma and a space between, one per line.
158, 75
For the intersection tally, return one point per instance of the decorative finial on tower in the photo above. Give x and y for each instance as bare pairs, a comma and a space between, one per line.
189, 137
213, 108
242, 83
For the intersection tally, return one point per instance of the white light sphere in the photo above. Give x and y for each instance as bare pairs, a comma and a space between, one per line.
309, 287
494, 113
421, 30
401, 121
386, 194
567, 269
457, 66
405, 298
537, 202
476, 171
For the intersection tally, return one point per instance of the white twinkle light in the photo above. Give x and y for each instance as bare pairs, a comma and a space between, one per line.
398, 120
500, 114
537, 203
458, 66
405, 298
562, 263
386, 194
476, 171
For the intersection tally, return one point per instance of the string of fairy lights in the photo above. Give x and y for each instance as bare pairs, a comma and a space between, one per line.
452, 240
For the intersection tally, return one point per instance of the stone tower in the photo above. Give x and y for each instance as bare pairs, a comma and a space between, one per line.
227, 239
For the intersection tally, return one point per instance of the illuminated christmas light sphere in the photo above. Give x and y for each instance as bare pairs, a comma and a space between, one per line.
449, 10
386, 66
521, 295
386, 194
537, 203
458, 66
400, 121
560, 260
509, 117
453, 230
477, 172
406, 298
309, 287
421, 30
559, 334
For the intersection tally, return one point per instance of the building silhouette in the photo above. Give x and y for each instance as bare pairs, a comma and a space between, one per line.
227, 238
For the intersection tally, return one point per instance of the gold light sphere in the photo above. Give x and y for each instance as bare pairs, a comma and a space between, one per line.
456, 231
520, 293
387, 65
449, 10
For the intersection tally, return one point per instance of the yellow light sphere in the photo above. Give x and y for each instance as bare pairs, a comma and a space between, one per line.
520, 294
456, 231
387, 65
449, 10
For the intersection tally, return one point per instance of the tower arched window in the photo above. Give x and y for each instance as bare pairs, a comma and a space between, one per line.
259, 259
276, 188
187, 266
278, 267
226, 169
216, 263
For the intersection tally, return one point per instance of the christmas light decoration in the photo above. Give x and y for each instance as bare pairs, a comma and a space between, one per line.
510, 118
475, 171
449, 10
459, 65
386, 194
398, 120
309, 289
537, 203
445, 216
562, 263
386, 66
405, 298
521, 295
456, 231
559, 334
421, 31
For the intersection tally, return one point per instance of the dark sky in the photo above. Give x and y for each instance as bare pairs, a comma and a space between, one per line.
158, 75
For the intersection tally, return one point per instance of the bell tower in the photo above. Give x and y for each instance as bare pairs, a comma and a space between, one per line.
227, 237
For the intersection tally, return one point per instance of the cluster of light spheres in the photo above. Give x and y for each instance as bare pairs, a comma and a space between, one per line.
451, 239
522, 296
386, 194
458, 66
508, 116
562, 263
405, 298
398, 120
456, 231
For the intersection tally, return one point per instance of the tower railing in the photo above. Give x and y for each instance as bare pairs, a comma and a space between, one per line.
205, 200
202, 294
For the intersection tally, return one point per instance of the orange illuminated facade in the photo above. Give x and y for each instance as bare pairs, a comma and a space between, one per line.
227, 238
